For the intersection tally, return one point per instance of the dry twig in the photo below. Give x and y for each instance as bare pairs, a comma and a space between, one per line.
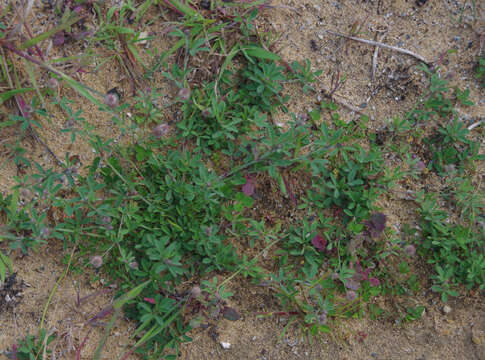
374, 58
380, 44
474, 125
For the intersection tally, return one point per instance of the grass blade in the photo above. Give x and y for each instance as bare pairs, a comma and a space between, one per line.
48, 34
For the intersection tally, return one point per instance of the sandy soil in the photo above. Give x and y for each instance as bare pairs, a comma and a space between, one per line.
430, 31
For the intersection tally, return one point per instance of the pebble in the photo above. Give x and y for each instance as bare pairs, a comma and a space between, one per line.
143, 35
225, 345
478, 336
337, 5
446, 309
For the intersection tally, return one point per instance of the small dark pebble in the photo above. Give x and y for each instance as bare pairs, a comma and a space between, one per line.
421, 2
374, 355
470, 44
313, 45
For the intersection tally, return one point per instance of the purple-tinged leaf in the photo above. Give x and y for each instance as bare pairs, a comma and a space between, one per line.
374, 281
350, 295
13, 354
248, 187
102, 314
58, 39
150, 300
410, 250
230, 314
81, 35
376, 224
319, 242
81, 300
352, 284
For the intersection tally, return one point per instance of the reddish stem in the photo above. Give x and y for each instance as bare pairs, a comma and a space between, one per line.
39, 52
78, 352
84, 298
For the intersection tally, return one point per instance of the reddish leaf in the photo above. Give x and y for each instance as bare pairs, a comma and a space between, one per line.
230, 314
319, 242
248, 188
376, 224
374, 281
150, 300
58, 38
102, 314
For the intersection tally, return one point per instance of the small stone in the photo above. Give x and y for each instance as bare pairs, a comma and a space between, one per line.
478, 336
446, 309
225, 345
143, 36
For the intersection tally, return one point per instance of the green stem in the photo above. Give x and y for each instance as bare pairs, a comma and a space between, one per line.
54, 289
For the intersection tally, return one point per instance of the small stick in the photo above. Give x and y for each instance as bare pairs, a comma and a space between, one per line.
377, 43
374, 58
473, 126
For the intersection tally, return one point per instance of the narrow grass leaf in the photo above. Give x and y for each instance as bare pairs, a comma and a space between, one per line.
261, 53
10, 93
48, 34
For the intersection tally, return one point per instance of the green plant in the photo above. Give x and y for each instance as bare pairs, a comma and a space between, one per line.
450, 146
480, 71
455, 250
173, 208
32, 347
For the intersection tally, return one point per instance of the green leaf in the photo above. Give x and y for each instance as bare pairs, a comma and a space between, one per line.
315, 114
261, 53
118, 304
3, 271
4, 96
